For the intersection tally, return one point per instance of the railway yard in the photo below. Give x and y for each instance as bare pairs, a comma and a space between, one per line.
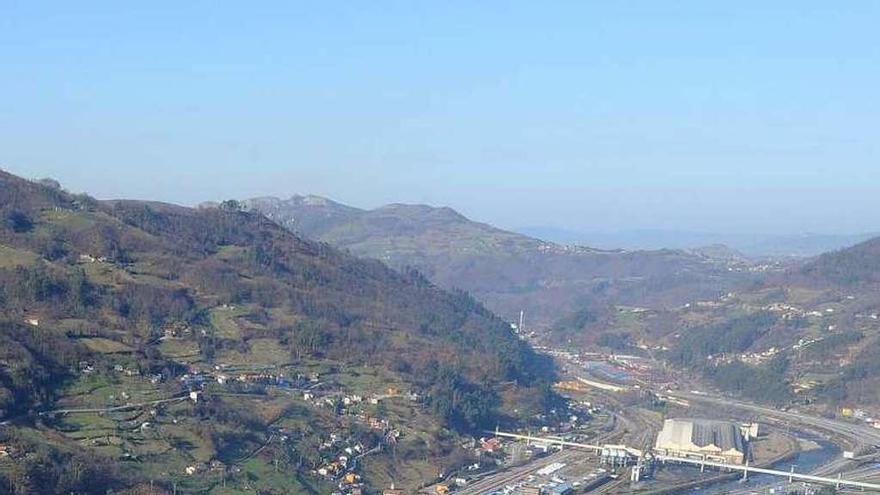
630, 412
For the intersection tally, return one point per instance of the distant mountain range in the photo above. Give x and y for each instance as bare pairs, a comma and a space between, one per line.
752, 245
509, 271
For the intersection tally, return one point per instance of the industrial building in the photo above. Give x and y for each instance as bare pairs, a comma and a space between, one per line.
562, 489
616, 455
702, 439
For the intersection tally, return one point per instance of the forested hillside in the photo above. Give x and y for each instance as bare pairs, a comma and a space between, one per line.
510, 272
105, 302
850, 266
808, 335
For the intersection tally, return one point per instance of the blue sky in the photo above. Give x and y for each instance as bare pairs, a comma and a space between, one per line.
714, 116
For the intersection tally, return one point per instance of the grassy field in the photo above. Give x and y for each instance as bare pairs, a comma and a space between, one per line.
262, 476
368, 381
801, 295
105, 346
224, 321
628, 321
11, 257
98, 390
184, 351
68, 219
162, 439
401, 470
262, 352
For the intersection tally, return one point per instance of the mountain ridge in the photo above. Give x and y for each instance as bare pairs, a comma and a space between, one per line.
755, 246
506, 270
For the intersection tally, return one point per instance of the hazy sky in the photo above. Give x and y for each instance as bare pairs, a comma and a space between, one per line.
720, 116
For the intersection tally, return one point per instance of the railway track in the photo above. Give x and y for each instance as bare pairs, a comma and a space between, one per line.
514, 475
510, 476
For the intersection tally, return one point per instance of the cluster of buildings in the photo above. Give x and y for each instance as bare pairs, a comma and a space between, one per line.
753, 358
335, 467
198, 377
618, 368
786, 311
790, 312
341, 465
88, 258
804, 343
88, 368
759, 357
341, 455
861, 415
213, 466
549, 481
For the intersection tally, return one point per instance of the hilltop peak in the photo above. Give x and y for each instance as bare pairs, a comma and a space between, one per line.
310, 200
423, 209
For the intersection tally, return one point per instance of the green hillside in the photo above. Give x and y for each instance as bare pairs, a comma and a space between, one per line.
507, 271
113, 312
858, 264
808, 335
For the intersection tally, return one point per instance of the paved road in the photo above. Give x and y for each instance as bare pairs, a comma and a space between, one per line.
96, 410
857, 436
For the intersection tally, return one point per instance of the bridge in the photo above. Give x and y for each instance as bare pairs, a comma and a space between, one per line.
838, 482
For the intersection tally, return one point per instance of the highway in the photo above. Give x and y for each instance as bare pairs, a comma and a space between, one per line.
784, 474
856, 437
860, 436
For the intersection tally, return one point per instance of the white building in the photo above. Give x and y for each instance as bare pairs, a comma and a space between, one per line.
702, 439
